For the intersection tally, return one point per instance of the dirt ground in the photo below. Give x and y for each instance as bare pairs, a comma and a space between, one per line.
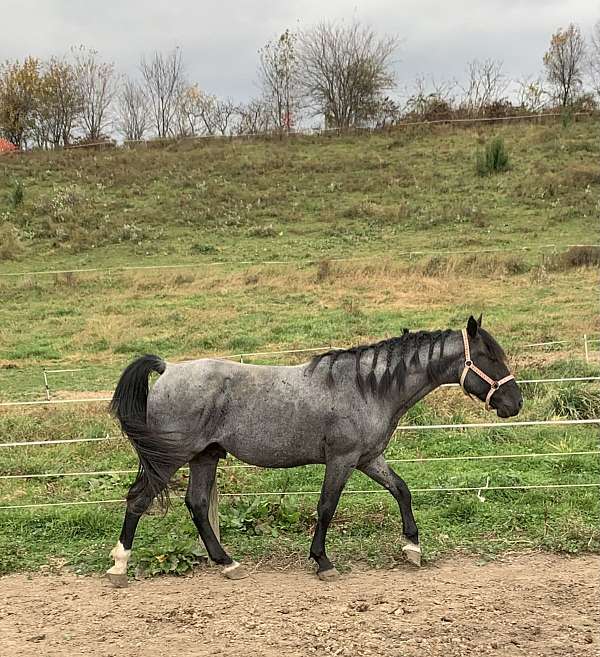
526, 604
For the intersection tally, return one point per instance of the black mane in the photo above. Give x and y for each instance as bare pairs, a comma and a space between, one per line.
494, 349
399, 353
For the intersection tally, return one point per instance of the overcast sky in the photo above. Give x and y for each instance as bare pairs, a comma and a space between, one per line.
220, 38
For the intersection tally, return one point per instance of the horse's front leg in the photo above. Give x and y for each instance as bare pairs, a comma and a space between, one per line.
337, 472
380, 471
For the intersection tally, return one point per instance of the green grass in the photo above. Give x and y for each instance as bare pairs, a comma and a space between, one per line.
315, 199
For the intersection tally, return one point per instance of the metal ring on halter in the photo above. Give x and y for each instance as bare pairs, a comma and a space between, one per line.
470, 366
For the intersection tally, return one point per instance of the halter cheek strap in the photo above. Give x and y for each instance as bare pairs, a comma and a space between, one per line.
469, 365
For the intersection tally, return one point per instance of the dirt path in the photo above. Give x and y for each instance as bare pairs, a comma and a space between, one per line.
536, 604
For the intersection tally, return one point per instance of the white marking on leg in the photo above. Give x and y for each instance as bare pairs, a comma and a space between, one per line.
232, 566
121, 557
234, 570
412, 547
413, 553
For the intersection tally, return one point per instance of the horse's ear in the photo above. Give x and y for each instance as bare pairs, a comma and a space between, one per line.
479, 320
472, 327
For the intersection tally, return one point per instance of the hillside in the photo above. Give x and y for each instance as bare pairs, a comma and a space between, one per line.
371, 197
299, 198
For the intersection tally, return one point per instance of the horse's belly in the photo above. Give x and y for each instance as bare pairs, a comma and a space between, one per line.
275, 449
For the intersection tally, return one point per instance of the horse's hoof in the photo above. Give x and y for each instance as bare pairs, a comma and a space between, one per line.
234, 570
328, 575
118, 581
412, 553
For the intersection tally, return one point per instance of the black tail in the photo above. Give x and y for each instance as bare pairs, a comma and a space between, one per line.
158, 451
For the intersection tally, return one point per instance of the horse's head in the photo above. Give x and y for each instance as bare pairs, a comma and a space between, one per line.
485, 374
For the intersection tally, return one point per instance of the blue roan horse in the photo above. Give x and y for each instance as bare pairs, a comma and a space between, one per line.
340, 409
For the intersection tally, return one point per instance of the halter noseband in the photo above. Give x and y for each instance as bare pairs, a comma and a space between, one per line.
494, 385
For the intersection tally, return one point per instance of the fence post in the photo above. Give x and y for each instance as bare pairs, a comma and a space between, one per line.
213, 509
585, 345
46, 384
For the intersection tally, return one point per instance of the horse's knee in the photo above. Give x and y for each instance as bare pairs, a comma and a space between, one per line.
197, 506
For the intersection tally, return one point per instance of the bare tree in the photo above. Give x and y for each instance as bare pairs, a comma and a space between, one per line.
531, 94
344, 71
564, 63
189, 111
164, 82
197, 112
224, 112
594, 58
255, 117
278, 74
97, 88
201, 113
486, 84
431, 100
133, 115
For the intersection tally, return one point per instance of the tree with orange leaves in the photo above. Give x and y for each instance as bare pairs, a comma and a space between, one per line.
564, 62
19, 87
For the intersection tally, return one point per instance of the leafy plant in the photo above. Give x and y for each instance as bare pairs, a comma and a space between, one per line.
176, 559
493, 159
259, 516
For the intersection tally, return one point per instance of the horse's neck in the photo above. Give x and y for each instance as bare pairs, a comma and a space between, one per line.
419, 381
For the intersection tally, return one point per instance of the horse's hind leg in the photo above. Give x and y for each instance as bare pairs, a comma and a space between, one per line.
203, 469
137, 505
139, 499
382, 473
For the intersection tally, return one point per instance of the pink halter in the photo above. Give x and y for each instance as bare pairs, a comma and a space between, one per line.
494, 385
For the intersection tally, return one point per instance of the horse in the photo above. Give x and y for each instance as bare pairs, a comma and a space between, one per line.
340, 409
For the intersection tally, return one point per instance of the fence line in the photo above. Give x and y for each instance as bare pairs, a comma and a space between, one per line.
46, 402
307, 261
57, 441
479, 489
238, 466
402, 427
310, 132
494, 425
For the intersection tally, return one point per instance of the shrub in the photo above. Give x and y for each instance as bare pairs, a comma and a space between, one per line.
576, 256
566, 117
576, 402
200, 248
16, 194
262, 231
493, 159
323, 270
10, 246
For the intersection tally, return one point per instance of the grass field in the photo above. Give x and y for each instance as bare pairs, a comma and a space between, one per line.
369, 198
